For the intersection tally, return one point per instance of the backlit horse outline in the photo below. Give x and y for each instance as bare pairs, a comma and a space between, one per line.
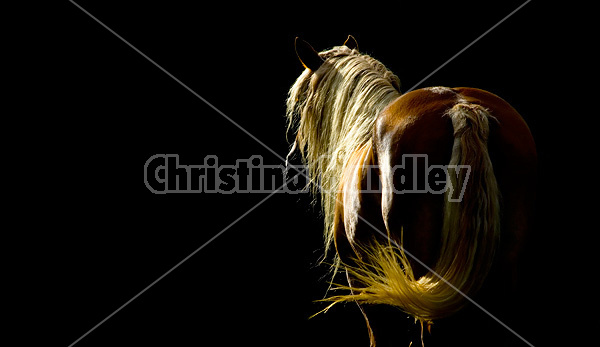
347, 108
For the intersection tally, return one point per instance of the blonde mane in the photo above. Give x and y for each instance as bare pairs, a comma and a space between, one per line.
334, 110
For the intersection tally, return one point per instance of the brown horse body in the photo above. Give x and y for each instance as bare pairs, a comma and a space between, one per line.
415, 124
348, 107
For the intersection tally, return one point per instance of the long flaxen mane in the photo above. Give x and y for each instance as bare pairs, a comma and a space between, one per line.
334, 110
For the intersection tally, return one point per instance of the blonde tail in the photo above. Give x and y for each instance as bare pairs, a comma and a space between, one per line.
469, 236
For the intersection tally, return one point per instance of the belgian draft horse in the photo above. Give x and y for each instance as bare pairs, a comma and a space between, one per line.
428, 252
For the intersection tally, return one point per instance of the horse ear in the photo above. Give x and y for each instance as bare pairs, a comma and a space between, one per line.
351, 42
309, 58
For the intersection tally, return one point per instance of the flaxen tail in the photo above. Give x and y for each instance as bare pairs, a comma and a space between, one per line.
469, 236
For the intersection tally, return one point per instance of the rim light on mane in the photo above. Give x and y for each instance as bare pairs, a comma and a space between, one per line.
334, 109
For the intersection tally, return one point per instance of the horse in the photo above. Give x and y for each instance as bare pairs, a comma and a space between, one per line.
426, 252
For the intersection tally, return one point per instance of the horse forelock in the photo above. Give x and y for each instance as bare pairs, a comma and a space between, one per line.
333, 110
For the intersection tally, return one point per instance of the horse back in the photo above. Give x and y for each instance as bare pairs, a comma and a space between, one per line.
415, 124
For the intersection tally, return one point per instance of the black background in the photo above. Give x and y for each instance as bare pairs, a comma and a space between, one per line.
104, 110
